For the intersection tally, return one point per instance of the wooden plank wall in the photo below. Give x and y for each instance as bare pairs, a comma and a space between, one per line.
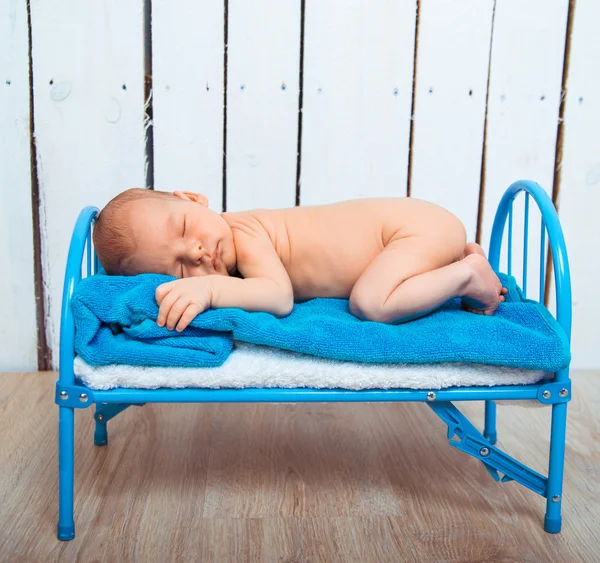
187, 97
358, 74
524, 96
579, 177
89, 106
263, 67
284, 102
18, 335
450, 98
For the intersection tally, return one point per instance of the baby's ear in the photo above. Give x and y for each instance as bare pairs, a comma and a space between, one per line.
191, 196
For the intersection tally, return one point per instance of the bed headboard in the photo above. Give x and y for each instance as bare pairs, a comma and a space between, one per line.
80, 251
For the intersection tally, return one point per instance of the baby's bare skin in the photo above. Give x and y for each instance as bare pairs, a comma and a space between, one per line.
395, 259
325, 249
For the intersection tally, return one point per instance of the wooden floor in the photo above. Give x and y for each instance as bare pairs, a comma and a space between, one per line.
289, 482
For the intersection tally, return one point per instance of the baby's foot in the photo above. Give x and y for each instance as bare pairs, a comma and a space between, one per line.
484, 291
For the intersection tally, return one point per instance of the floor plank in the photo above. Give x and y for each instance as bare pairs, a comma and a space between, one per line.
289, 482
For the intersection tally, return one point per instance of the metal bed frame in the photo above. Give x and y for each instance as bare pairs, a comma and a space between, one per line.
71, 394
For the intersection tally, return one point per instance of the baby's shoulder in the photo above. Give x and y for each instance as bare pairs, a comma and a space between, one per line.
245, 222
253, 227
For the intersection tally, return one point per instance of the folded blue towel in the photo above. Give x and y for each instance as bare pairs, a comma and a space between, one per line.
115, 324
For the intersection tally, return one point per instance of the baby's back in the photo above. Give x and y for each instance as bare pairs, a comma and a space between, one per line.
326, 248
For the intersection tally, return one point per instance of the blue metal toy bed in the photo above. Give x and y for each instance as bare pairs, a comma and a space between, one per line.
555, 391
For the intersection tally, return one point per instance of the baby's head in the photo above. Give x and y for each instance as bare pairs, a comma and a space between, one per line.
147, 231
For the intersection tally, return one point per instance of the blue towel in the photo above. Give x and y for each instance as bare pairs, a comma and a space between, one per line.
115, 324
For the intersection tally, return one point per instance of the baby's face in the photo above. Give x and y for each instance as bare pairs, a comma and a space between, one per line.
179, 237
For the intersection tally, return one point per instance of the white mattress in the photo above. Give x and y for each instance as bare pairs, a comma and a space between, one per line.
250, 365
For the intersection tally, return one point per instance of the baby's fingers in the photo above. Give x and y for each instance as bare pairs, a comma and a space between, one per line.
165, 307
162, 290
176, 311
188, 316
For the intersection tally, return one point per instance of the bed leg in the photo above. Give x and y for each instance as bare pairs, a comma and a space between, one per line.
489, 430
66, 462
100, 434
104, 412
553, 519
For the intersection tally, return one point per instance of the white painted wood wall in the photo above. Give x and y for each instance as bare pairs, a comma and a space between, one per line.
18, 335
268, 103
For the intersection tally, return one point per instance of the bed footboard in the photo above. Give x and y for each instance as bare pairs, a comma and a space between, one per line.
551, 230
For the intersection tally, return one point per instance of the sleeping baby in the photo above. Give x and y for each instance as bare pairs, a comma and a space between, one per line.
395, 259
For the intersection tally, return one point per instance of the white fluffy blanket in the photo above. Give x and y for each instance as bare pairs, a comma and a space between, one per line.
250, 365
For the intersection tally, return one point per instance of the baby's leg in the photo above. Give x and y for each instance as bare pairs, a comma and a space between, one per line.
415, 275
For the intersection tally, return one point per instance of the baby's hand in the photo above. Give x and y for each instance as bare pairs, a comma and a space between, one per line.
181, 300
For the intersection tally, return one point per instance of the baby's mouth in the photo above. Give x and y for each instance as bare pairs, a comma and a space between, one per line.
215, 258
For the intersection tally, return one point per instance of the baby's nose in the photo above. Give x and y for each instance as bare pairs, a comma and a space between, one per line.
197, 250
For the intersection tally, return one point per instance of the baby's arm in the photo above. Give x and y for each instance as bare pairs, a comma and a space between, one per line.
266, 286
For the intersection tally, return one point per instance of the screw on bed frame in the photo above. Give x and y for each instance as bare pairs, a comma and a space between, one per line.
556, 498
484, 452
431, 396
563, 392
64, 395
83, 398
546, 394
100, 417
